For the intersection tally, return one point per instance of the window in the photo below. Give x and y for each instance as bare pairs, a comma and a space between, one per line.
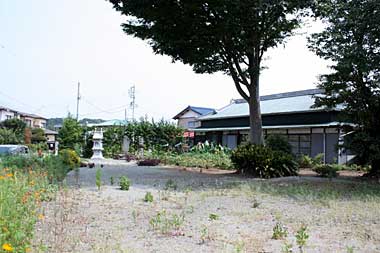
8, 116
301, 144
191, 124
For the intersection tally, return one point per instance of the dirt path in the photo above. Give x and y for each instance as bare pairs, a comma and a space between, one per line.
207, 213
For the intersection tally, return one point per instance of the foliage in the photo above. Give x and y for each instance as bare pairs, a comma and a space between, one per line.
160, 135
54, 166
148, 197
301, 237
16, 125
213, 216
87, 143
98, 178
70, 134
278, 142
194, 159
230, 36
261, 161
7, 136
279, 231
166, 224
38, 135
326, 170
351, 41
20, 198
113, 140
124, 183
112, 180
25, 182
70, 158
306, 161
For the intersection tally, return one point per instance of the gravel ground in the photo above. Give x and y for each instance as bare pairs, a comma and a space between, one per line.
83, 219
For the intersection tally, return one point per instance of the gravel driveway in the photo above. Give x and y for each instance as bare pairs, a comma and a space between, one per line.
209, 212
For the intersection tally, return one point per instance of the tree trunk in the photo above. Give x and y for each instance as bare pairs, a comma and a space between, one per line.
375, 168
255, 121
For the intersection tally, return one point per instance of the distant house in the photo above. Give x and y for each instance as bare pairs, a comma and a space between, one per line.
31, 120
187, 118
51, 136
309, 130
6, 113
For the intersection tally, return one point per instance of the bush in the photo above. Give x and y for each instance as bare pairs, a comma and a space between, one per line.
70, 158
278, 142
148, 162
261, 161
124, 183
306, 161
148, 197
326, 170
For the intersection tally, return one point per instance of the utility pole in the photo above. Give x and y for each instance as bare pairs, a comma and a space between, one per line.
132, 95
78, 98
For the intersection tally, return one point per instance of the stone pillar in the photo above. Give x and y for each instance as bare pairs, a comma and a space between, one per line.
98, 144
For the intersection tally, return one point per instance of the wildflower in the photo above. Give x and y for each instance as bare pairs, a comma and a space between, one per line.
41, 216
27, 250
2, 177
31, 183
7, 247
9, 175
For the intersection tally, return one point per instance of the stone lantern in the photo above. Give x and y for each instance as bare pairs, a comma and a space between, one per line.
98, 144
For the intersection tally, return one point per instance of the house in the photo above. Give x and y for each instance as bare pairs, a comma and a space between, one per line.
31, 120
187, 118
309, 130
6, 113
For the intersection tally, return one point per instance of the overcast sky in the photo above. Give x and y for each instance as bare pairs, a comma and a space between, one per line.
46, 47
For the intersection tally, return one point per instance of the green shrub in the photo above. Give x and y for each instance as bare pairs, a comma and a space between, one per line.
124, 183
326, 170
148, 197
306, 161
279, 231
278, 142
261, 161
70, 158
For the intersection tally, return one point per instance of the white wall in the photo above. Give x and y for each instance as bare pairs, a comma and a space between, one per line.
4, 114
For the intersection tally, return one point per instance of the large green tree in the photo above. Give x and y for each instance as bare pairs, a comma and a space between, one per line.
351, 41
230, 36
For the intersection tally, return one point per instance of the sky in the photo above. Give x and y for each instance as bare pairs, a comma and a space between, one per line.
47, 47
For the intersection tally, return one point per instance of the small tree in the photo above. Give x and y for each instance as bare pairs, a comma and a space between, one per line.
70, 134
230, 36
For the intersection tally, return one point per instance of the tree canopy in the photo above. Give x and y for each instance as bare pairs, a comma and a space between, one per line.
352, 41
230, 36
70, 135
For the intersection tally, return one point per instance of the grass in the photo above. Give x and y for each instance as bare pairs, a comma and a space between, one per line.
25, 182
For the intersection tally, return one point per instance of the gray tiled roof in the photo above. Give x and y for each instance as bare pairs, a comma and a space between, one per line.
290, 102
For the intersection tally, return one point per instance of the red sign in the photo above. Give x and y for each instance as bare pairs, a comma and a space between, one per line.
188, 134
